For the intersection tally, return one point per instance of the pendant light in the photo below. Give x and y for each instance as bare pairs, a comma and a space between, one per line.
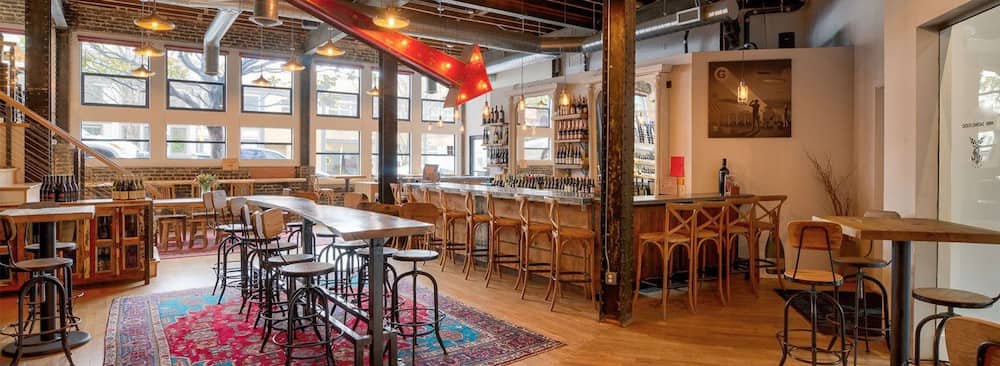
374, 91
142, 71
391, 19
520, 100
148, 50
293, 63
328, 49
742, 91
564, 96
486, 110
154, 22
261, 80
521, 103
440, 121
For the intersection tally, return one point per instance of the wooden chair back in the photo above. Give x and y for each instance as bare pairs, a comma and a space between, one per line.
381, 208
682, 218
8, 232
354, 199
712, 216
215, 201
397, 193
969, 341
742, 212
815, 235
246, 215
554, 213
419, 211
269, 224
769, 208
312, 196
470, 203
236, 205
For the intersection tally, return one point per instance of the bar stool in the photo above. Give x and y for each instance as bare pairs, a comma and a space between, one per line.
680, 226
495, 255
263, 246
197, 228
861, 330
409, 318
769, 221
564, 238
42, 272
741, 221
450, 219
354, 199
344, 256
171, 228
63, 250
473, 222
423, 212
363, 276
228, 243
397, 193
973, 341
951, 299
531, 231
711, 222
294, 228
814, 235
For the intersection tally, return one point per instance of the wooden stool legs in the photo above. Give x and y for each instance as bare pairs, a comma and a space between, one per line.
172, 232
559, 275
495, 256
527, 267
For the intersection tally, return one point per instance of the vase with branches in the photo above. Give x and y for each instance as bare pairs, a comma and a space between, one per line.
837, 187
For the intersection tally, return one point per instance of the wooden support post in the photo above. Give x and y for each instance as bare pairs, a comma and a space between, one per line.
618, 85
38, 86
387, 126
305, 112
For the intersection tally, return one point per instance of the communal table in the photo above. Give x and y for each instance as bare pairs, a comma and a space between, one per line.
46, 219
179, 203
902, 232
351, 224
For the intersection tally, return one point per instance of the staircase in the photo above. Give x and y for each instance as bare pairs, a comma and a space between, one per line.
18, 125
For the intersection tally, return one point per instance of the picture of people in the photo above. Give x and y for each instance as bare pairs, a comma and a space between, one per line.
767, 108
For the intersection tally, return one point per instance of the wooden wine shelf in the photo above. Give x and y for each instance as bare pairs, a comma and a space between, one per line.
496, 145
496, 165
496, 125
571, 166
565, 117
583, 140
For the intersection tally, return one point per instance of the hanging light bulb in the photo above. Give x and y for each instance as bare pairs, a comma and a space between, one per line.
373, 91
521, 103
742, 93
154, 21
457, 115
391, 19
486, 110
148, 50
142, 72
261, 81
461, 128
429, 126
440, 121
564, 98
293, 64
328, 49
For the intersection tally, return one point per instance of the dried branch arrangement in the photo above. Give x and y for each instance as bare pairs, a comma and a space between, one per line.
837, 188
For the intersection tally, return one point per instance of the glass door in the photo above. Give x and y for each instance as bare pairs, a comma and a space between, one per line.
478, 160
969, 174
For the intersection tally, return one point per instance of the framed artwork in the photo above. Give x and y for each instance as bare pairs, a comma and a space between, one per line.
763, 108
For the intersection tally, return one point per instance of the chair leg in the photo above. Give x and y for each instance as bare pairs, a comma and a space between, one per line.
638, 275
693, 282
665, 291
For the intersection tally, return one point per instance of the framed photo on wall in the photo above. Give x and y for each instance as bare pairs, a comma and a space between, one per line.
750, 99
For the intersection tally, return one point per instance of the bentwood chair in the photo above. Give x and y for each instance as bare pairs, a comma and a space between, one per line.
473, 222
451, 219
531, 232
972, 342
495, 255
741, 221
709, 235
680, 226
768, 217
814, 236
354, 199
423, 212
566, 238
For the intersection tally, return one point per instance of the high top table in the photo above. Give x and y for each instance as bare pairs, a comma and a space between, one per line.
46, 219
352, 224
903, 232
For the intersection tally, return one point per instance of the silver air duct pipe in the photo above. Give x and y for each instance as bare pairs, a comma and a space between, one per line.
213, 37
265, 13
682, 20
515, 61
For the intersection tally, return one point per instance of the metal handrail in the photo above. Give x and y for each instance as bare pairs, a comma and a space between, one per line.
61, 132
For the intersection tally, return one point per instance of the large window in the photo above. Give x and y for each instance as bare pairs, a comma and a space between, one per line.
189, 88
338, 90
264, 143
440, 150
402, 96
402, 153
19, 61
338, 153
273, 98
432, 102
117, 140
196, 142
107, 75
537, 148
538, 111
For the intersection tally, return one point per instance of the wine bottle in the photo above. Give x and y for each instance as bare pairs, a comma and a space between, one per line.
723, 172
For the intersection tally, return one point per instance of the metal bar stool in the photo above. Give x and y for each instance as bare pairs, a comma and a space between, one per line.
531, 231
680, 225
495, 254
404, 318
951, 299
814, 235
216, 202
564, 237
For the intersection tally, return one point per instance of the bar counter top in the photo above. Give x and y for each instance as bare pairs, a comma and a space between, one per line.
566, 196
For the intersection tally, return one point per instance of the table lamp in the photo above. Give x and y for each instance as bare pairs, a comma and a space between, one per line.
677, 171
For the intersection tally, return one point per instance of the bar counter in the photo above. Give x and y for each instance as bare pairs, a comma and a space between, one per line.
566, 197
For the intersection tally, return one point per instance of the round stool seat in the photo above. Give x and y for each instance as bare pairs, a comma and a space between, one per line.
861, 262
281, 246
43, 264
233, 228
386, 252
60, 245
307, 269
172, 217
952, 298
815, 277
353, 244
415, 255
279, 260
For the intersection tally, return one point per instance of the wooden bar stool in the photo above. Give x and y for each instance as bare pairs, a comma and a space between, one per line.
951, 299
354, 199
170, 225
397, 193
473, 222
565, 237
818, 236
741, 221
973, 342
423, 212
680, 225
711, 222
769, 221
531, 231
450, 220
495, 254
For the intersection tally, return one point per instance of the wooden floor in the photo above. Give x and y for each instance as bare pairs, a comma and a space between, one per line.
741, 333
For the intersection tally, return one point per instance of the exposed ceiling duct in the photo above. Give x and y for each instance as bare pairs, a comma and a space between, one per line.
213, 38
515, 61
679, 21
265, 13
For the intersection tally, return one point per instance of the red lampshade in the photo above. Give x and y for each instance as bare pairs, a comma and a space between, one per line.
677, 166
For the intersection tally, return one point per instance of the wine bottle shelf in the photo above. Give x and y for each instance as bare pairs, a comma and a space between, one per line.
497, 145
563, 117
571, 166
573, 140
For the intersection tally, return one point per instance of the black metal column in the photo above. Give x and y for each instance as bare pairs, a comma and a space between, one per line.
387, 126
38, 86
305, 112
618, 85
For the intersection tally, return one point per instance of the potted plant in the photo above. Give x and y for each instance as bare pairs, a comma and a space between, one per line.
838, 191
206, 181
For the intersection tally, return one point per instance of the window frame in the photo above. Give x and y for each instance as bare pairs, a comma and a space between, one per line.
290, 143
408, 98
525, 148
225, 91
167, 141
84, 74
243, 87
147, 141
454, 155
549, 108
318, 153
409, 152
423, 99
357, 96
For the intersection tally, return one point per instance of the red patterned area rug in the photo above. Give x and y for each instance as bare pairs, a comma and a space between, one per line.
187, 328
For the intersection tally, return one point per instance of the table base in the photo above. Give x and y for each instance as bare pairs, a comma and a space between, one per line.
33, 348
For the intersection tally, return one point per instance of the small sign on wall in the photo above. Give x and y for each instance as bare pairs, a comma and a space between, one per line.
230, 164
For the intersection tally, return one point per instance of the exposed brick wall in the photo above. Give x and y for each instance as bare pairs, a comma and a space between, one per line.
12, 11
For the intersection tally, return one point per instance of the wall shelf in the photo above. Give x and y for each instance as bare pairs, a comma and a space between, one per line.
564, 117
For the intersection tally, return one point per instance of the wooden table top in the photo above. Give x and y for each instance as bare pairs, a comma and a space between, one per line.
913, 229
51, 214
348, 223
178, 202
